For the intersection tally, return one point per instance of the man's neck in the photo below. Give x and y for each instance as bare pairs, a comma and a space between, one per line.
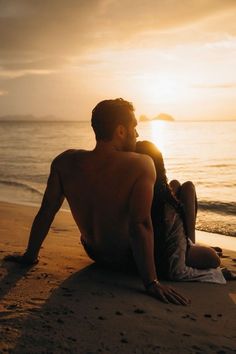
107, 146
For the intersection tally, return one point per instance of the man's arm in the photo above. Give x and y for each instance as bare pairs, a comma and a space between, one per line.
142, 237
51, 203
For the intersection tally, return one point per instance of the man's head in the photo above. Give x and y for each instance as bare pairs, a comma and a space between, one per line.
115, 118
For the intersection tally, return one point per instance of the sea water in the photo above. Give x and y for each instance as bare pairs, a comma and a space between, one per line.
203, 152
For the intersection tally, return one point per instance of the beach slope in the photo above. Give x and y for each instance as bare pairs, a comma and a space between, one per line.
65, 304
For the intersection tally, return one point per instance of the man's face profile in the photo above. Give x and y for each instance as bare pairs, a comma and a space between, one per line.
131, 136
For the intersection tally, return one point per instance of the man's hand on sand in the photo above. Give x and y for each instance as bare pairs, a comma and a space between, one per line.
166, 294
24, 259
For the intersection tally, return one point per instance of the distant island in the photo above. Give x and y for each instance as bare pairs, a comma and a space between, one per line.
52, 118
28, 117
161, 116
164, 116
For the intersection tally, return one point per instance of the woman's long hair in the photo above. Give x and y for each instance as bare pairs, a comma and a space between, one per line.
162, 195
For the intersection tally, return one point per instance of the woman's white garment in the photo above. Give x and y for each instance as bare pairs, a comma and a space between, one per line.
176, 245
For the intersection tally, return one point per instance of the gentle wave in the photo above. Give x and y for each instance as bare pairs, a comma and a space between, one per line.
218, 207
221, 165
21, 185
216, 229
215, 185
215, 222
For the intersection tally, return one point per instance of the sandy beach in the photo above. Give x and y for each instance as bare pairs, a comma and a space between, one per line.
65, 304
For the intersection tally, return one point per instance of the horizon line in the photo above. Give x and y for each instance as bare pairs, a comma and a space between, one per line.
88, 120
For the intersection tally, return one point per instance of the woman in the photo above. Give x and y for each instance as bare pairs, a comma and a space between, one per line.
173, 216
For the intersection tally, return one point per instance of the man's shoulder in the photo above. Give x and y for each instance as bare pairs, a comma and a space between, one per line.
140, 164
67, 155
138, 159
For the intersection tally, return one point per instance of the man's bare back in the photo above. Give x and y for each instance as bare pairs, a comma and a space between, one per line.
98, 187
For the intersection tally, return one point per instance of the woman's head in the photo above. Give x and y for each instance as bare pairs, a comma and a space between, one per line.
162, 191
150, 149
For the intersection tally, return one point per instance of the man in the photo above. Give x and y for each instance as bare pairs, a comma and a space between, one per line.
110, 191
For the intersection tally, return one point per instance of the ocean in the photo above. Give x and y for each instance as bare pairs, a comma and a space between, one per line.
203, 152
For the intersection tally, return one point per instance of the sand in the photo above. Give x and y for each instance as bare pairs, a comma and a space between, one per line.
65, 304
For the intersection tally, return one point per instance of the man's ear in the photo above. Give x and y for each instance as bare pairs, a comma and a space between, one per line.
121, 131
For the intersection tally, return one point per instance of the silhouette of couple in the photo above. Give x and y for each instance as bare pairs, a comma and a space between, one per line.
127, 213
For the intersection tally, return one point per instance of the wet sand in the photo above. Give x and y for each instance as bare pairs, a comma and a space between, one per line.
65, 304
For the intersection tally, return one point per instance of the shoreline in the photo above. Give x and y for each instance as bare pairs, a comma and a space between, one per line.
65, 300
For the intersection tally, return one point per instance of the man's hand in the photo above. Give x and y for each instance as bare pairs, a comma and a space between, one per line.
166, 294
24, 259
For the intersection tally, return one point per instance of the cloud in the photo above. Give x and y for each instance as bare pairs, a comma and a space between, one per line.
227, 43
227, 85
46, 35
18, 73
32, 62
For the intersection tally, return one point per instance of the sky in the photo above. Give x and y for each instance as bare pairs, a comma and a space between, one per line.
61, 57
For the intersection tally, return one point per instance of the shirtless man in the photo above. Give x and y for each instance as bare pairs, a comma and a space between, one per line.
110, 191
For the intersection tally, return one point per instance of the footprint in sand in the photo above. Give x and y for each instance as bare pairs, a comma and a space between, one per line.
56, 229
3, 310
36, 301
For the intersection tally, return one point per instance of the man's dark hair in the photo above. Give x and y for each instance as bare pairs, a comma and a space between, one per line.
108, 114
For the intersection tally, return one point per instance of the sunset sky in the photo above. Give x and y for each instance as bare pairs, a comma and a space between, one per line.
174, 56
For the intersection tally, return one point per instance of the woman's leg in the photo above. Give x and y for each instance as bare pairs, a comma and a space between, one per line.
175, 187
202, 257
197, 256
186, 193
